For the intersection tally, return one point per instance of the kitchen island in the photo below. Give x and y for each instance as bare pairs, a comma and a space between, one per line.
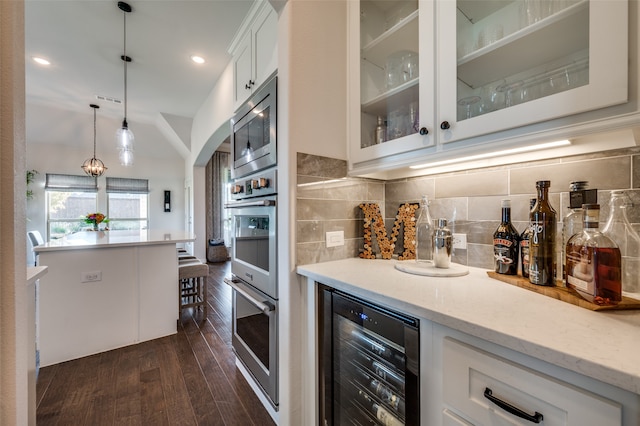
595, 351
107, 289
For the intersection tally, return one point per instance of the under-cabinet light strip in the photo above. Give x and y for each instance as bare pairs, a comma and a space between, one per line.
528, 148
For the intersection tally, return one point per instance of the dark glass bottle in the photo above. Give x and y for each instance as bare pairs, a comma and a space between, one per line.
505, 243
594, 263
542, 268
525, 259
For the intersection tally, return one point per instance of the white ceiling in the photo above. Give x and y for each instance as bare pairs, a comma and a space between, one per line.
84, 40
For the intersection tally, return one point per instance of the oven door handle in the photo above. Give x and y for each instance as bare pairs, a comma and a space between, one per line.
252, 203
264, 307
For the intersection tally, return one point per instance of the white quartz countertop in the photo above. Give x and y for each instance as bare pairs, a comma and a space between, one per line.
106, 239
604, 345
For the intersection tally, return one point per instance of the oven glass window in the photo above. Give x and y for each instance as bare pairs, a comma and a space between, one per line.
252, 240
252, 135
252, 326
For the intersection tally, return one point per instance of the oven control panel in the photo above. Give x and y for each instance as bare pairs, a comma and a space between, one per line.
256, 185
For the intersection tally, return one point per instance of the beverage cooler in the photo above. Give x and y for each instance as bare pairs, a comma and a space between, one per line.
369, 372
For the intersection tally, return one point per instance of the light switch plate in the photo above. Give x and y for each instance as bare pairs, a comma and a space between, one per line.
92, 276
335, 238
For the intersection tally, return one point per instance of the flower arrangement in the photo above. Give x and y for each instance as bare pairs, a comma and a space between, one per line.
95, 218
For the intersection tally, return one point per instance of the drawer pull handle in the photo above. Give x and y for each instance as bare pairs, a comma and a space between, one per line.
536, 418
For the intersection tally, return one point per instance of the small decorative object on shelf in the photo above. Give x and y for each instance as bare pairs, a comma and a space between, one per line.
95, 219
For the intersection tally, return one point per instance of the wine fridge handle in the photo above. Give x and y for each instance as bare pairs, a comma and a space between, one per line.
536, 418
264, 307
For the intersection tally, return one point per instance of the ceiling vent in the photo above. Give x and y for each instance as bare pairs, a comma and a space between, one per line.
108, 99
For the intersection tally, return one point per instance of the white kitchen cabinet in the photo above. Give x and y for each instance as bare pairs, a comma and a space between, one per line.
489, 75
255, 51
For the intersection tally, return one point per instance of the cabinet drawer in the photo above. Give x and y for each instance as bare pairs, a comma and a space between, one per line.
472, 376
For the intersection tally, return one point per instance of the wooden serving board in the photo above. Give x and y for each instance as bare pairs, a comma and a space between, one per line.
564, 294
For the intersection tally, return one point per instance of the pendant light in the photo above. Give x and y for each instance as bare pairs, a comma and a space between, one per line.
124, 136
93, 166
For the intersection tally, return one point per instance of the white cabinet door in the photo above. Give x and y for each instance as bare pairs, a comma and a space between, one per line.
387, 40
501, 68
242, 73
265, 46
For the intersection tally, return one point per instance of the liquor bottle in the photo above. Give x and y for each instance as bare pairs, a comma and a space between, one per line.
572, 222
622, 233
542, 266
594, 264
506, 243
424, 233
524, 245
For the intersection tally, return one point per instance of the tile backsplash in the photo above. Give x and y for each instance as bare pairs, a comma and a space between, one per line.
328, 200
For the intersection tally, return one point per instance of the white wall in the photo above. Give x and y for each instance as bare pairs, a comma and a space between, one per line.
162, 173
311, 119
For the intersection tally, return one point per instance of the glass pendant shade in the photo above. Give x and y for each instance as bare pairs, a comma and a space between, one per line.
126, 157
124, 138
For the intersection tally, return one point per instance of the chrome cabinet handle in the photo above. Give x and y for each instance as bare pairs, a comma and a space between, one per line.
264, 307
535, 418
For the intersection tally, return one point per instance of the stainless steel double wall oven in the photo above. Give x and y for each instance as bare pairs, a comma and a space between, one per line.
254, 247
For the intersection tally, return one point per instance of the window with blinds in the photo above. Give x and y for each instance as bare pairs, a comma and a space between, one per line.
69, 198
127, 201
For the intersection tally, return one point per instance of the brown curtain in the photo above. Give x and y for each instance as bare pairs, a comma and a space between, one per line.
216, 179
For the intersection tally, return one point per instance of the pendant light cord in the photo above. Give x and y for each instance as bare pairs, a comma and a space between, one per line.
94, 132
125, 66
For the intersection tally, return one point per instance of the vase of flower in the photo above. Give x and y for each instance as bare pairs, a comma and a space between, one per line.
95, 219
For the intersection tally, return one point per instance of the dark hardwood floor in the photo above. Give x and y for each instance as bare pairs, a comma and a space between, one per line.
186, 379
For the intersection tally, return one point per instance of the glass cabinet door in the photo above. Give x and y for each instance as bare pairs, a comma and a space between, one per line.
390, 70
518, 62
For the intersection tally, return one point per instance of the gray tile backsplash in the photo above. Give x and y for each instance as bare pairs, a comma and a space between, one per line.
328, 200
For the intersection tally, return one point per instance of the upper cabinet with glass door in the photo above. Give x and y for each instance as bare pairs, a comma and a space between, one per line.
388, 75
490, 73
527, 61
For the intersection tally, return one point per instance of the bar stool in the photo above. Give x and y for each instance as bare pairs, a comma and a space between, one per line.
192, 285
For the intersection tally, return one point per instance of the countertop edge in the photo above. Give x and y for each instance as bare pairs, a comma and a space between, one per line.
35, 272
604, 369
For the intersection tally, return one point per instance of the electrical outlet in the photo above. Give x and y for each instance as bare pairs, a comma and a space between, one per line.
92, 276
335, 238
459, 241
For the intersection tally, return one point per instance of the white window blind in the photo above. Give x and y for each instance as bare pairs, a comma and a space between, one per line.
70, 183
127, 185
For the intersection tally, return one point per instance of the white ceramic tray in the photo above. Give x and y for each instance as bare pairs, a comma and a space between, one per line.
427, 269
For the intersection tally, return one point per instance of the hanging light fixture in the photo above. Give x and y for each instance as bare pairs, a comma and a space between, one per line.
124, 136
93, 166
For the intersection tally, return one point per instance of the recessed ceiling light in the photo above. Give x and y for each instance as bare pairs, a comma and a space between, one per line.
41, 61
197, 59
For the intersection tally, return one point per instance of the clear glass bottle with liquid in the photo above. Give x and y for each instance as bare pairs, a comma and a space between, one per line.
424, 233
542, 269
594, 266
622, 233
572, 221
